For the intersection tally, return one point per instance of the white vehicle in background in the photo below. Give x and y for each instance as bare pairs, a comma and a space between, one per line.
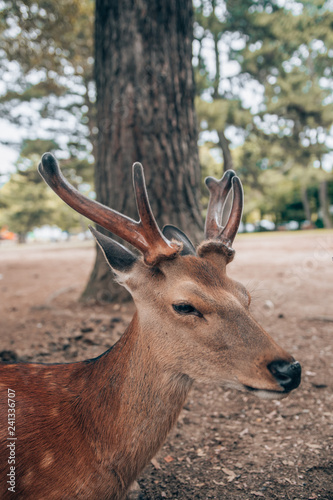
265, 225
292, 225
46, 234
246, 228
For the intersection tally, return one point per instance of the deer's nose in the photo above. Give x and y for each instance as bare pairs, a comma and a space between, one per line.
288, 375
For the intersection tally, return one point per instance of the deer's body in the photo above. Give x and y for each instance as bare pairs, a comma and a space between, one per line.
114, 417
86, 430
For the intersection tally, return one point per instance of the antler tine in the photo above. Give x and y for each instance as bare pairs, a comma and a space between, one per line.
231, 227
145, 237
162, 247
218, 194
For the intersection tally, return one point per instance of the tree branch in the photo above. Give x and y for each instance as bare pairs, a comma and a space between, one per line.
227, 158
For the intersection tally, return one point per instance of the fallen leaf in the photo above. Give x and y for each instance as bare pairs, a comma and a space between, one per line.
218, 484
257, 493
313, 446
231, 475
168, 459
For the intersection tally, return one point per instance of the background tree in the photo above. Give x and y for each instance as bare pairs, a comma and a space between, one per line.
264, 84
276, 60
21, 212
46, 69
218, 107
48, 90
145, 112
294, 64
27, 202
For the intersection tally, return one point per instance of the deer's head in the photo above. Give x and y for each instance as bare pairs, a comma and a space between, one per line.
195, 318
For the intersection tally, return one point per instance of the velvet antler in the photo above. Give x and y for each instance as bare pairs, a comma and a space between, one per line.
218, 194
144, 235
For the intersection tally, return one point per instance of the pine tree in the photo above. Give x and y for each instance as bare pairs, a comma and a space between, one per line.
284, 53
46, 69
27, 202
145, 112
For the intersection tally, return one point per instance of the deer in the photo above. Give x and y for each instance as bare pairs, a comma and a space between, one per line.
86, 430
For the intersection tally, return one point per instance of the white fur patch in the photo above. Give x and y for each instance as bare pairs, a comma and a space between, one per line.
262, 394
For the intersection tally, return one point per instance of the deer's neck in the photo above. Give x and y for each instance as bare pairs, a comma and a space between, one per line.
133, 403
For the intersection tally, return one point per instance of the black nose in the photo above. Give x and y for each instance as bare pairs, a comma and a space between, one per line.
288, 375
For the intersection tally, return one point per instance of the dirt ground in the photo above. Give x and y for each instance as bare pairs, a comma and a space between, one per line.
226, 445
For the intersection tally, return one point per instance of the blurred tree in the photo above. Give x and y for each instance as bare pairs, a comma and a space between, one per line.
216, 106
27, 202
46, 62
295, 67
46, 69
145, 111
264, 78
22, 213
282, 52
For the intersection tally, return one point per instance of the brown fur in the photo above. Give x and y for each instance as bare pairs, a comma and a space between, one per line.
216, 247
86, 430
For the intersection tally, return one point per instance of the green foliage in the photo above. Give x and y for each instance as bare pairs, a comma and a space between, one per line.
27, 202
284, 52
281, 52
46, 67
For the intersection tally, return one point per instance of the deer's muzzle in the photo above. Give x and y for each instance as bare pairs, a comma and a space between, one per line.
288, 375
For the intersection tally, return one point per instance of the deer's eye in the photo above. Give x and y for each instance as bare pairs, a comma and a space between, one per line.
186, 309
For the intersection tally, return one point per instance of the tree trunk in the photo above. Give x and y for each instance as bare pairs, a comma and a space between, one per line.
306, 204
145, 112
228, 164
22, 238
324, 204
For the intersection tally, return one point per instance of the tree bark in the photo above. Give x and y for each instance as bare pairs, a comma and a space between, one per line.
228, 164
306, 204
22, 238
324, 205
145, 112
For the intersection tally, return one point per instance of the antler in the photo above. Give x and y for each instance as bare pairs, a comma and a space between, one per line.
218, 194
144, 235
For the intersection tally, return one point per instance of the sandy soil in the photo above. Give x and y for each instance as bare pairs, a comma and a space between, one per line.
226, 445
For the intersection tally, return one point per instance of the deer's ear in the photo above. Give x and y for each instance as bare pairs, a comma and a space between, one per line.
117, 256
172, 232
